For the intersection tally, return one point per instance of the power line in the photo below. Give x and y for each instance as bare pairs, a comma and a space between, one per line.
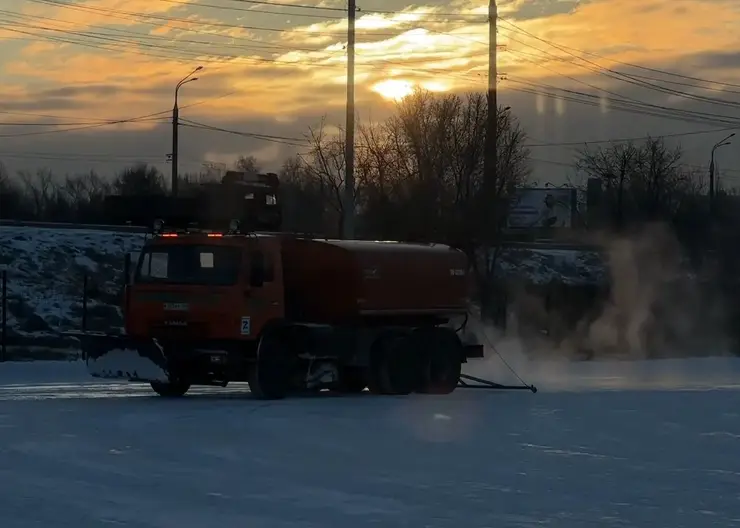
663, 111
139, 119
645, 77
193, 56
516, 28
623, 106
462, 16
296, 142
148, 17
99, 158
614, 74
109, 122
254, 44
47, 116
260, 11
106, 40
646, 68
580, 81
284, 4
735, 173
630, 139
76, 123
409, 10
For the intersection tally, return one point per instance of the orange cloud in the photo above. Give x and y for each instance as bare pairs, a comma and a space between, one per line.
100, 12
649, 31
296, 69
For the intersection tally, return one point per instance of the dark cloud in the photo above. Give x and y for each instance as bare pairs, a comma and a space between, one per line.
41, 104
79, 91
717, 60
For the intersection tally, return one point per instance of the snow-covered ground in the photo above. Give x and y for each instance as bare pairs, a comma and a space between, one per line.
79, 453
45, 272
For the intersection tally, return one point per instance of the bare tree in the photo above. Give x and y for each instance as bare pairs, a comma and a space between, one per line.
643, 182
438, 143
41, 189
140, 180
660, 182
248, 164
324, 168
377, 163
85, 188
304, 205
615, 166
13, 201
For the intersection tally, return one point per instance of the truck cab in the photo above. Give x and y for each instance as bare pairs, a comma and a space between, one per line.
204, 286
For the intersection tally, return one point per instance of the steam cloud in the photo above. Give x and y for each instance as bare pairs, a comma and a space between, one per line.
656, 308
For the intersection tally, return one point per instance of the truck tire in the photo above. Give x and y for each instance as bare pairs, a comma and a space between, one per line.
394, 366
269, 377
442, 362
170, 389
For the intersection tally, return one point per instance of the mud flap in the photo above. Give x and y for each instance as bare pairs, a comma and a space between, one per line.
121, 357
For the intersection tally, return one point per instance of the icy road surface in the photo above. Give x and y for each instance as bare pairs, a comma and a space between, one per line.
595, 451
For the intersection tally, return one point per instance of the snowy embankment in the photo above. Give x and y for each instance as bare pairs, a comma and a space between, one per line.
78, 452
46, 269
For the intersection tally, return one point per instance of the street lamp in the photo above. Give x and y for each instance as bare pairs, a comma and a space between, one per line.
175, 125
711, 168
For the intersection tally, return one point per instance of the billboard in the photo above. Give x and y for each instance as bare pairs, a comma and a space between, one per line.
537, 208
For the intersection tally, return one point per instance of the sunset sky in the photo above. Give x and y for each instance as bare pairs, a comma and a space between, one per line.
277, 69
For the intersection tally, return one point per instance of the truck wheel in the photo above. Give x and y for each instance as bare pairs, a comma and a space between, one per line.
394, 366
269, 377
170, 389
442, 362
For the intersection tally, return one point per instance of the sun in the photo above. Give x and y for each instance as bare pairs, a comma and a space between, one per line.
394, 89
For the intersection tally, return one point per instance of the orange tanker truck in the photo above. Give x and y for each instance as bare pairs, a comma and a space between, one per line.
284, 312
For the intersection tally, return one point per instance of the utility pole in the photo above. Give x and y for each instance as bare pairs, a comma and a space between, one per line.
175, 141
711, 170
348, 228
490, 156
487, 208
176, 125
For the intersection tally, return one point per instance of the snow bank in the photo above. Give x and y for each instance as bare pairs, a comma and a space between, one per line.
46, 269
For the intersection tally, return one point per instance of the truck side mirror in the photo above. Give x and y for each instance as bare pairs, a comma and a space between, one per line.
257, 269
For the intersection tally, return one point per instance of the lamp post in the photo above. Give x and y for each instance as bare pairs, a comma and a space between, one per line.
175, 125
711, 170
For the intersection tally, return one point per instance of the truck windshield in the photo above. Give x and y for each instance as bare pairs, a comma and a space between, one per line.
189, 264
